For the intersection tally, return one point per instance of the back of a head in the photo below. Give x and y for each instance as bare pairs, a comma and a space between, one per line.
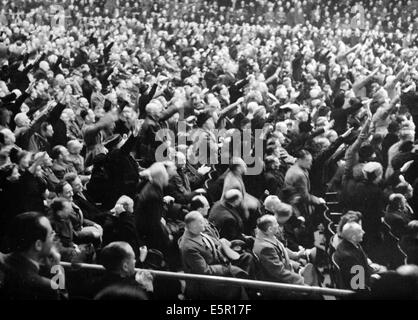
302, 154
233, 195
396, 200
56, 205
198, 202
373, 171
24, 230
350, 216
112, 256
365, 152
158, 173
271, 203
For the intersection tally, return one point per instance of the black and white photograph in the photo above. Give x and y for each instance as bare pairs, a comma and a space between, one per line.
208, 156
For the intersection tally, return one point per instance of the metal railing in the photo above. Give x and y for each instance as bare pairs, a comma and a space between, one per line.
262, 285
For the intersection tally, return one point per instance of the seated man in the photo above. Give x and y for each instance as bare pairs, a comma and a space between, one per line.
123, 227
351, 258
84, 202
275, 263
226, 215
201, 255
60, 211
284, 213
246, 259
85, 231
179, 184
201, 204
118, 258
61, 162
31, 238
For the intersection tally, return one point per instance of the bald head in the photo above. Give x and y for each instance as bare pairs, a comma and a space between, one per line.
117, 257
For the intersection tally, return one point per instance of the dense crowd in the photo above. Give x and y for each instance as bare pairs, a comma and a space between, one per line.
205, 137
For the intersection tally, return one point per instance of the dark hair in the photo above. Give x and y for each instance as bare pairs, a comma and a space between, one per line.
305, 127
56, 152
59, 188
196, 204
24, 230
70, 177
395, 202
112, 255
350, 216
406, 146
393, 127
44, 125
302, 154
365, 152
339, 100
56, 205
83, 114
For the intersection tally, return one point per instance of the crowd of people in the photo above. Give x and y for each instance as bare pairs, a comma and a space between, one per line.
203, 137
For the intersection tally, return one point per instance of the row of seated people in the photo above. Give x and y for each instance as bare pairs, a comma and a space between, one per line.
202, 252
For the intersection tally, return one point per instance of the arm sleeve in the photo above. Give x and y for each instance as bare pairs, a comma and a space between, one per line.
199, 265
276, 269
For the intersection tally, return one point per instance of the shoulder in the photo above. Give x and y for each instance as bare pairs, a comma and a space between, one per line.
262, 245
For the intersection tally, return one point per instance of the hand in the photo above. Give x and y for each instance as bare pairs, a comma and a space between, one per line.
118, 209
225, 242
330, 125
137, 126
203, 170
54, 258
145, 278
30, 87
200, 190
301, 254
321, 201
143, 251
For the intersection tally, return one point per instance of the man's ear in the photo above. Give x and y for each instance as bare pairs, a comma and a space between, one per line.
38, 245
125, 266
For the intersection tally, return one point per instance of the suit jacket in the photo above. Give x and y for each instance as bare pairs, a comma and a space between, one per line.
20, 280
199, 258
179, 188
111, 279
348, 256
274, 262
38, 143
227, 220
149, 210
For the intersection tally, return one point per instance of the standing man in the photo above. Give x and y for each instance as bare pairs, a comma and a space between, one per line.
297, 179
